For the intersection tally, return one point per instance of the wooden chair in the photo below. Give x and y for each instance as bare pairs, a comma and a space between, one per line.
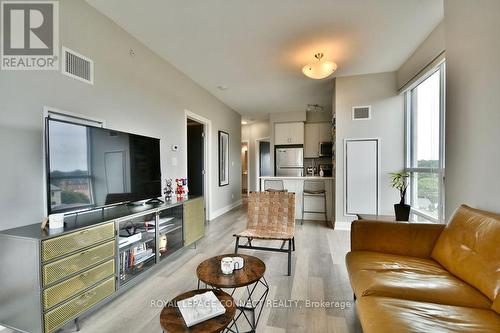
271, 216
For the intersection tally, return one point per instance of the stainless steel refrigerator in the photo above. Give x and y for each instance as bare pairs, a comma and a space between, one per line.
289, 162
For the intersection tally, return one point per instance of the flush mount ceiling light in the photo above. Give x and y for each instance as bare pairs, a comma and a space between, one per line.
319, 69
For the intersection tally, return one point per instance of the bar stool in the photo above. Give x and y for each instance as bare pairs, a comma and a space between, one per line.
273, 185
314, 188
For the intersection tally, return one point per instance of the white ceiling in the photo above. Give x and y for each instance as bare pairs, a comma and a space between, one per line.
257, 48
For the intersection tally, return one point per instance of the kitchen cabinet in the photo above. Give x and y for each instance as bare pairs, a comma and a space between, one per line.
325, 132
314, 133
289, 133
311, 140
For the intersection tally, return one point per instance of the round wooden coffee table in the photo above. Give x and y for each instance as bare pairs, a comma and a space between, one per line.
171, 319
249, 277
209, 272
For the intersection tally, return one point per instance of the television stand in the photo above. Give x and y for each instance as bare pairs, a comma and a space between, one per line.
154, 201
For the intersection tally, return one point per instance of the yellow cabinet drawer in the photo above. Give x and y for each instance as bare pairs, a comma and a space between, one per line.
70, 310
62, 268
59, 246
68, 288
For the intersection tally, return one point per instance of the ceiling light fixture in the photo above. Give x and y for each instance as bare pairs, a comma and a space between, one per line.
314, 108
243, 122
319, 69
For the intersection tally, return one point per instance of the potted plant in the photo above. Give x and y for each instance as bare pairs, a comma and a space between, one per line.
399, 181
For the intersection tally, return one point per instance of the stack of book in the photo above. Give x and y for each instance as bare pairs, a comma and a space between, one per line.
200, 307
135, 256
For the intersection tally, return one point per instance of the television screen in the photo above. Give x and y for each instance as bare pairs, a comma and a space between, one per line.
90, 167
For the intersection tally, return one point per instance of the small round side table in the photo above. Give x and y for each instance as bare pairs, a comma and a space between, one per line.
249, 277
171, 320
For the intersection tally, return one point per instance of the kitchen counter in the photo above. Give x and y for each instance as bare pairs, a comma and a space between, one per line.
296, 185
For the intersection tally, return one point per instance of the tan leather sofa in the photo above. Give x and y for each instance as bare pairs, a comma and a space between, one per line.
415, 277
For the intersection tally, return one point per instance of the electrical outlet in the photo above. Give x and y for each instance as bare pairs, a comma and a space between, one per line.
232, 195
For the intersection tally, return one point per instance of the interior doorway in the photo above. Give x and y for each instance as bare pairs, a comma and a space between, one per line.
198, 157
263, 160
244, 168
195, 156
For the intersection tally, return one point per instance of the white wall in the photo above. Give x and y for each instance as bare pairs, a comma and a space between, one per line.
387, 124
430, 48
472, 104
251, 133
141, 94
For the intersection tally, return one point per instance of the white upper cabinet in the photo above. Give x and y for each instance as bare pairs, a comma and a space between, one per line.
311, 142
314, 134
325, 132
289, 133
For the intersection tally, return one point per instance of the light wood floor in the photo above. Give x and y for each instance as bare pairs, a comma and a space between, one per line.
318, 274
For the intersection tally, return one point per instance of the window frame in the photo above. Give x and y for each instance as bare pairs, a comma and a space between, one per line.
410, 135
74, 118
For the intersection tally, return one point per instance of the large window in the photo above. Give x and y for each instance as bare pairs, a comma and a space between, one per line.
70, 175
425, 146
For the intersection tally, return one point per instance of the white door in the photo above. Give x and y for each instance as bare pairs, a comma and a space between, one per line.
361, 176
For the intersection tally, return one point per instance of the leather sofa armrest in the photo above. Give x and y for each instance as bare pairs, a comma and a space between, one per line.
402, 238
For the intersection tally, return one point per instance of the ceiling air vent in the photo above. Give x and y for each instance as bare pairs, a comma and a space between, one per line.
361, 112
77, 66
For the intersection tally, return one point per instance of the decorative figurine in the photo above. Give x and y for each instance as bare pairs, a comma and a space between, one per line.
168, 190
180, 188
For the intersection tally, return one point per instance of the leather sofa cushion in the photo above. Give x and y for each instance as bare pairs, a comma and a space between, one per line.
390, 275
496, 304
403, 238
391, 315
469, 248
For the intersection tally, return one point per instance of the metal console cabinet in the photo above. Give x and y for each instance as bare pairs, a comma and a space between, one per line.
50, 278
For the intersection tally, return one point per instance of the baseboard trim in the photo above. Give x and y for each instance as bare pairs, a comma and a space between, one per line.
342, 225
224, 210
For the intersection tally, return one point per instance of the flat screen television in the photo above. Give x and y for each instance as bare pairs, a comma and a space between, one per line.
90, 167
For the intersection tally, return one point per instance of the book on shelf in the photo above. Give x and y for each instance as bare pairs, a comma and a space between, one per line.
126, 240
134, 256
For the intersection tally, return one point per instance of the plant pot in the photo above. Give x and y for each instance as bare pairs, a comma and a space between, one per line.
402, 212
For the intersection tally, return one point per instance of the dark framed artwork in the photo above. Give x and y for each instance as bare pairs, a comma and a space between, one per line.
223, 158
